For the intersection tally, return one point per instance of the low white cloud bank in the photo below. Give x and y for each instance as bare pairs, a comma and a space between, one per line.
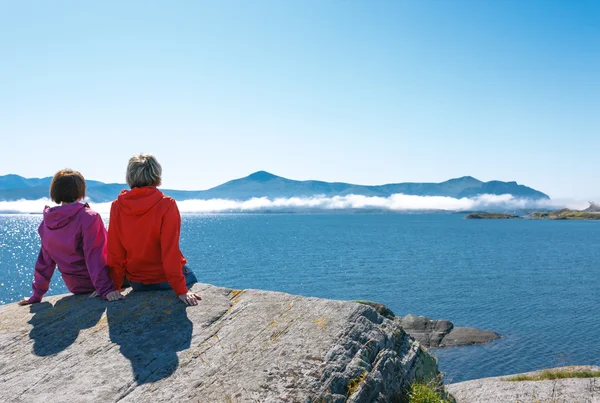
396, 202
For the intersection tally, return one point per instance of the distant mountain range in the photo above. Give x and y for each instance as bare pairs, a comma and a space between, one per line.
265, 184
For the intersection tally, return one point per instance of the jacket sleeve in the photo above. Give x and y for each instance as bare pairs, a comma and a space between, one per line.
94, 250
44, 269
171, 254
116, 251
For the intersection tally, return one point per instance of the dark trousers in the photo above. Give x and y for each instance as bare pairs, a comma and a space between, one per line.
190, 278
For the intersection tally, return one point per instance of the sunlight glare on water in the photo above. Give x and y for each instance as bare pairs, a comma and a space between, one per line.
534, 282
19, 247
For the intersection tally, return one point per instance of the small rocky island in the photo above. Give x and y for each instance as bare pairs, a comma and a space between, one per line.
566, 214
490, 216
591, 213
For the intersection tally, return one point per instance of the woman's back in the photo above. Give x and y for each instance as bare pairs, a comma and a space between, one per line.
73, 238
144, 237
70, 234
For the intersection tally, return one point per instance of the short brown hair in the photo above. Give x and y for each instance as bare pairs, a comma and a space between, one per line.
143, 170
67, 186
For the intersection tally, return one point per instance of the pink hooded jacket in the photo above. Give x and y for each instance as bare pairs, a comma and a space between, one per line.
74, 238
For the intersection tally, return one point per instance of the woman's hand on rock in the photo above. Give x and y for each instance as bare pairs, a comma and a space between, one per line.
26, 301
190, 298
114, 296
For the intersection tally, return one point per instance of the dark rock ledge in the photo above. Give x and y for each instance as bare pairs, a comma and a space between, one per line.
436, 333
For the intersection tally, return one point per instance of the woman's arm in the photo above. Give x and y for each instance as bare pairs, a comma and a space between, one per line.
94, 250
171, 254
116, 251
44, 269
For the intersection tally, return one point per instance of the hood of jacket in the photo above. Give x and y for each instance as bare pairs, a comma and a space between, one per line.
138, 201
60, 216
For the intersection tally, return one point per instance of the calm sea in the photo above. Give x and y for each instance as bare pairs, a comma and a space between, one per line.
535, 282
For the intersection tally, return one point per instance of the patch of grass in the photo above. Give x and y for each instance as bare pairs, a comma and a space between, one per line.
353, 383
425, 393
548, 375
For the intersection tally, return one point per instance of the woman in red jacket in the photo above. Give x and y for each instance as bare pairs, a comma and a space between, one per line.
143, 235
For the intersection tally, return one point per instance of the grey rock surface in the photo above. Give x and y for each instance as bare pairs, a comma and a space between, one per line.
499, 390
460, 336
235, 346
442, 333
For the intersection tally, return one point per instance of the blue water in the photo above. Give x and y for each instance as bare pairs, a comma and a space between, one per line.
535, 282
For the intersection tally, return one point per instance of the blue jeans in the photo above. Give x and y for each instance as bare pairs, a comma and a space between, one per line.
190, 278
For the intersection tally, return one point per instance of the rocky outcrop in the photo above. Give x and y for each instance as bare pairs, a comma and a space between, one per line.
442, 333
236, 346
501, 390
567, 214
491, 216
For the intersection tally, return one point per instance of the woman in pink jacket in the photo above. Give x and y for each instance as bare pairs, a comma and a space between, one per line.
74, 238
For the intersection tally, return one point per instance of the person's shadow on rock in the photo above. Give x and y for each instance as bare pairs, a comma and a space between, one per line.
150, 328
56, 327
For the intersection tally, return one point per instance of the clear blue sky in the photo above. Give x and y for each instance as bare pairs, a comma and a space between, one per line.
359, 91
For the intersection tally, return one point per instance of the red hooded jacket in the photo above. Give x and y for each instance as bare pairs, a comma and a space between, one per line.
143, 239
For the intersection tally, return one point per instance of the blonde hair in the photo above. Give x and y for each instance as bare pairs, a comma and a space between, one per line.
143, 170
